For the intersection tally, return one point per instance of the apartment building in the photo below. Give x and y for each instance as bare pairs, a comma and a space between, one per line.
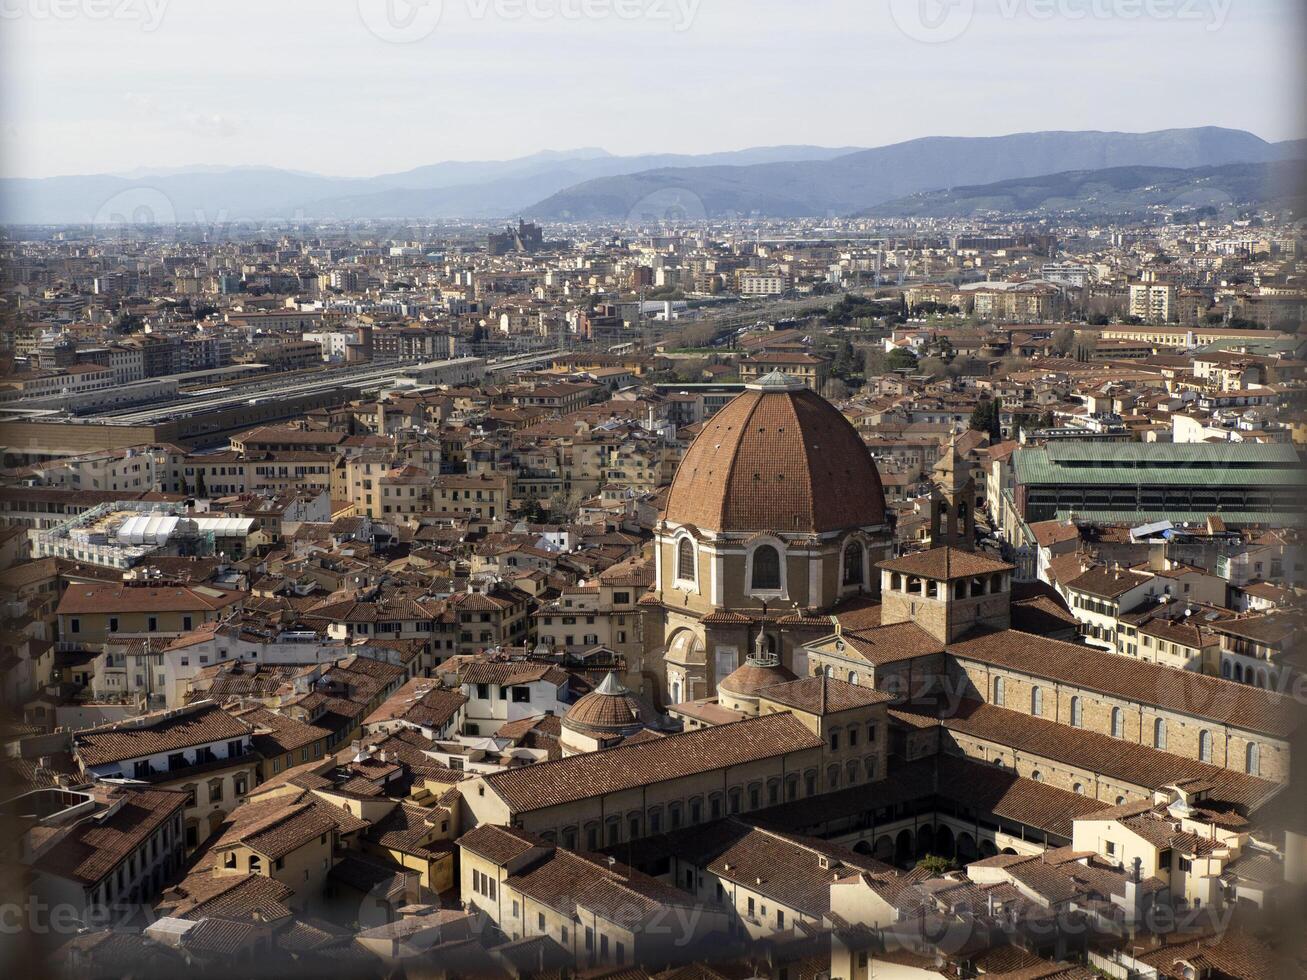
201, 750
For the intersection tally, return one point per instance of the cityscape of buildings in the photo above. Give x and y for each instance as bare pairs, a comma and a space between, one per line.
842, 599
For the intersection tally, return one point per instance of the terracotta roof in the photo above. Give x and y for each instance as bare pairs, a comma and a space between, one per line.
275, 733
167, 731
751, 677
608, 708
596, 773
407, 827
783, 460
421, 701
946, 564
1130, 679
1230, 953
794, 870
208, 891
888, 644
497, 844
88, 599
92, 848
564, 880
824, 695
507, 673
1049, 533
277, 826
1107, 583
1042, 614
637, 572
1113, 758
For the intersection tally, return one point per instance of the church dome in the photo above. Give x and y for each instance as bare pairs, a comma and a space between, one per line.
778, 457
610, 709
755, 674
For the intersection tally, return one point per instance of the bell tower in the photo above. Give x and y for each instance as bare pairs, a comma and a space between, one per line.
952, 502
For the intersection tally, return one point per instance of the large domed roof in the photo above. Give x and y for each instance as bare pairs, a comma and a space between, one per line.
777, 457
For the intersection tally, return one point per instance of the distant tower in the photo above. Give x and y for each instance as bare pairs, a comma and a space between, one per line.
952, 502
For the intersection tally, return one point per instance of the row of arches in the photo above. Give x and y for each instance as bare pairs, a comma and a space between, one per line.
1206, 753
676, 814
1257, 677
934, 589
763, 571
764, 566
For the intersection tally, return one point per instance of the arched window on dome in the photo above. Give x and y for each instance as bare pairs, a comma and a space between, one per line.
685, 570
853, 564
766, 569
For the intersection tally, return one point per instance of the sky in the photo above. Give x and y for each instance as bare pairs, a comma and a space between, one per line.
361, 87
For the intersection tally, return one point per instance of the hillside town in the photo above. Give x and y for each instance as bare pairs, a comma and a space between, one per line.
828, 599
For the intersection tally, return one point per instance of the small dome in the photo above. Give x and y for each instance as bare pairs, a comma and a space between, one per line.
610, 709
755, 674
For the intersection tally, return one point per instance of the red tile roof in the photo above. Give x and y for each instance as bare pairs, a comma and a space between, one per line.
1115, 675
777, 461
596, 773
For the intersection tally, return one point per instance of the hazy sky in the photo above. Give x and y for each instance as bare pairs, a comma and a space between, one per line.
111, 85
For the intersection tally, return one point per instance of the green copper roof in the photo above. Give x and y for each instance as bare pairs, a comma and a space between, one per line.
1165, 464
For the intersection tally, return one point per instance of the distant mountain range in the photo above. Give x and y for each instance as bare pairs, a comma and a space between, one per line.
1114, 192
866, 178
592, 185
221, 195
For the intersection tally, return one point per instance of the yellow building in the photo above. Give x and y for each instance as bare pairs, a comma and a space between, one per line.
608, 916
92, 614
